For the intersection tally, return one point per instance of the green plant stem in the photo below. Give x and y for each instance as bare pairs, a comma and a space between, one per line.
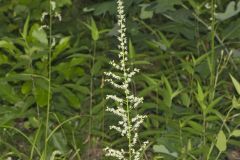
23, 135
129, 134
91, 91
34, 142
219, 40
213, 54
224, 122
103, 114
129, 131
49, 80
204, 129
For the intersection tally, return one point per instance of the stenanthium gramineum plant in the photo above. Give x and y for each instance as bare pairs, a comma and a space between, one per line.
129, 124
52, 13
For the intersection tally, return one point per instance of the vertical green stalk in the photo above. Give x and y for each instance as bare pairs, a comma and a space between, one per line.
103, 115
204, 129
129, 131
128, 114
91, 91
213, 54
49, 80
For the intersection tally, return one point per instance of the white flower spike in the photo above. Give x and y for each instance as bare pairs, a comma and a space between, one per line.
128, 124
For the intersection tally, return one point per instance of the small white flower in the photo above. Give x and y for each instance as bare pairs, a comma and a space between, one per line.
44, 14
115, 98
208, 6
43, 27
53, 5
115, 153
110, 74
53, 42
58, 15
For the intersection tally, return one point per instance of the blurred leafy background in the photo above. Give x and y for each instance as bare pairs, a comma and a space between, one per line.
186, 51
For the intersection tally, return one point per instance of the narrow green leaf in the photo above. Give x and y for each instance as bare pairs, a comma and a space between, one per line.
236, 84
235, 103
200, 94
94, 30
25, 28
132, 52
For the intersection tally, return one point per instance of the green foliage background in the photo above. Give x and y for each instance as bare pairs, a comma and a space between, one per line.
191, 100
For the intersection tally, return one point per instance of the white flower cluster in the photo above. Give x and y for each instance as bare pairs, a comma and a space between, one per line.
129, 124
115, 153
56, 14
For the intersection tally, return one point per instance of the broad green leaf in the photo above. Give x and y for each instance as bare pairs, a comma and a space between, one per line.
104, 7
145, 14
196, 126
221, 141
3, 58
70, 96
26, 87
163, 149
61, 3
34, 122
185, 99
82, 89
62, 45
41, 96
194, 4
39, 34
236, 133
231, 10
60, 142
167, 98
8, 93
235, 103
68, 71
7, 45
18, 77
236, 84
161, 6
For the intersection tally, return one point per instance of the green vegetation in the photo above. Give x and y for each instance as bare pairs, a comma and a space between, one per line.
53, 56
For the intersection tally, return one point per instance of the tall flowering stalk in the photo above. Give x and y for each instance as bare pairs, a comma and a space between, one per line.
52, 13
129, 124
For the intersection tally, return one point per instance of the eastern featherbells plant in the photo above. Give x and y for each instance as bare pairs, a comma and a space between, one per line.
129, 124
52, 13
